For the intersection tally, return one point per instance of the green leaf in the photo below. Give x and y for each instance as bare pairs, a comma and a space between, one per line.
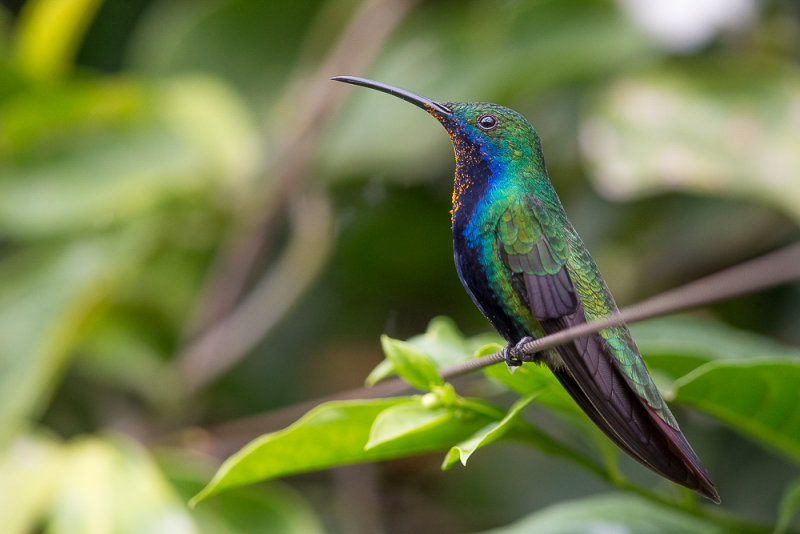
104, 168
725, 126
331, 434
486, 435
29, 466
212, 117
340, 433
414, 366
112, 485
272, 507
757, 397
41, 116
538, 380
46, 301
611, 514
233, 41
529, 379
382, 371
405, 419
446, 345
98, 484
49, 34
410, 430
678, 345
788, 506
443, 343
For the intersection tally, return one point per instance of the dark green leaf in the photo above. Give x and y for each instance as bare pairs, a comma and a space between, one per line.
678, 345
611, 514
46, 302
757, 397
529, 379
788, 507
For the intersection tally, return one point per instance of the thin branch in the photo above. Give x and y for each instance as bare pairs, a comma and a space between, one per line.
269, 299
766, 271
313, 102
763, 272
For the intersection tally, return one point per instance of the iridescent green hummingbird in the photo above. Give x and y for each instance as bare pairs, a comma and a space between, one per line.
529, 273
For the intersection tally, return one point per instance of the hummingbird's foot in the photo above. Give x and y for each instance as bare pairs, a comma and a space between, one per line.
515, 355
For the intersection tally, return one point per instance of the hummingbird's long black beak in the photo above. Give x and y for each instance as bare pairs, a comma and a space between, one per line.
433, 107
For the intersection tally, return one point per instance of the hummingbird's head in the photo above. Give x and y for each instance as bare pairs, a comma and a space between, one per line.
478, 130
497, 133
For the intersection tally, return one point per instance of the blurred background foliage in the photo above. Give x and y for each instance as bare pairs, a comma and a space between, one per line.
196, 228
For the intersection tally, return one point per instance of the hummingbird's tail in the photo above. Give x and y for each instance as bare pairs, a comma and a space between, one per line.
592, 377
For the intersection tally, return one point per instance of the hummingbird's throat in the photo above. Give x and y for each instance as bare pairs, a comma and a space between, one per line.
473, 172
467, 158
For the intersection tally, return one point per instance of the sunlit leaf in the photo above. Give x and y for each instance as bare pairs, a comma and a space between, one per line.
88, 485
443, 343
446, 345
220, 128
610, 514
414, 366
49, 34
53, 114
197, 142
757, 397
416, 427
486, 435
383, 370
331, 434
30, 464
404, 419
727, 128
338, 433
112, 485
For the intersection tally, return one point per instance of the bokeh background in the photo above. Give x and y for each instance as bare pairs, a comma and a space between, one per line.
199, 229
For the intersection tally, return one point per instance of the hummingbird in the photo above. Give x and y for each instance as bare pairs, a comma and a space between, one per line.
527, 270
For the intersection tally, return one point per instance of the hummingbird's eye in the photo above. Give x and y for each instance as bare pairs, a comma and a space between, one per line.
487, 122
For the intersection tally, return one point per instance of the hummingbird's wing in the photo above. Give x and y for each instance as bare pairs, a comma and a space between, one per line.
603, 372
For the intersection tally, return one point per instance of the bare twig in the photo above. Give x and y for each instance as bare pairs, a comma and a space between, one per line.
313, 102
763, 272
269, 300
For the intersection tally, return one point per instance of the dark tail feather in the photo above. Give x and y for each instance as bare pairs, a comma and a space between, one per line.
593, 379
